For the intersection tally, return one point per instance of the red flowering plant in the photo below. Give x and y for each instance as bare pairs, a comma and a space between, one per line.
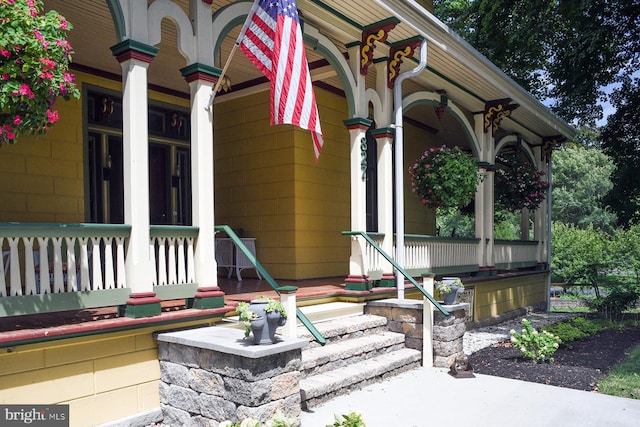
445, 177
34, 68
518, 183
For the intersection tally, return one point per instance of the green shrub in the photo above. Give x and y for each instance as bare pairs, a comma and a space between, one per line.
615, 302
352, 419
538, 346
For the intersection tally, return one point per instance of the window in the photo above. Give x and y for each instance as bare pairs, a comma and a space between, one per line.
169, 162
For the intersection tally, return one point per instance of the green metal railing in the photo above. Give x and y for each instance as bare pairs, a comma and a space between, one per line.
252, 258
397, 267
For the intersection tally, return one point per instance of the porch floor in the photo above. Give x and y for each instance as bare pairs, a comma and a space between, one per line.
235, 291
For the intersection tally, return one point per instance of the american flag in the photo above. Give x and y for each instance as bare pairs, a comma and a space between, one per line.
271, 38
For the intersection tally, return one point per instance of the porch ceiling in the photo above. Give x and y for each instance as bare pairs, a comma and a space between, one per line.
467, 77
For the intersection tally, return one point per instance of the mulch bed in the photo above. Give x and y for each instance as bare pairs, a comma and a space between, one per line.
579, 368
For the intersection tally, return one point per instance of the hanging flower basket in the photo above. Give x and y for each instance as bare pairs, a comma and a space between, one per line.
445, 177
34, 68
519, 184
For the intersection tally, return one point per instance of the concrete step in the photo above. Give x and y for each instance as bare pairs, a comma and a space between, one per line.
347, 352
317, 389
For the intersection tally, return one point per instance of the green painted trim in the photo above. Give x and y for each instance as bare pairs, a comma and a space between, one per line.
173, 231
288, 288
118, 18
516, 265
238, 20
206, 303
357, 121
20, 229
203, 317
439, 271
517, 242
49, 303
171, 292
381, 59
359, 286
198, 67
386, 284
129, 44
142, 310
353, 44
390, 20
420, 237
382, 131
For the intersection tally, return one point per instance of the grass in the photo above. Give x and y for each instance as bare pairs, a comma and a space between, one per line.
624, 378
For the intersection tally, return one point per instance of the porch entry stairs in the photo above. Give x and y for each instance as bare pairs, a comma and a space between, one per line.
360, 350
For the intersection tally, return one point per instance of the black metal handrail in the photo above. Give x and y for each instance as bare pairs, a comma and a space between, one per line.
398, 268
263, 272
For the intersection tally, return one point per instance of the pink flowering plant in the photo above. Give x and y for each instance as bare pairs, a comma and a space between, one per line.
519, 184
445, 177
34, 68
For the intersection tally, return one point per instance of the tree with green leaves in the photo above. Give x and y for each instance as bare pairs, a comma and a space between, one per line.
621, 141
578, 197
559, 50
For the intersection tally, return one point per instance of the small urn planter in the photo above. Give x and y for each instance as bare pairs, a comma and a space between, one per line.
261, 318
450, 288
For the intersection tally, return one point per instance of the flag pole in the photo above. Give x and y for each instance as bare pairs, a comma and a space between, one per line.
216, 88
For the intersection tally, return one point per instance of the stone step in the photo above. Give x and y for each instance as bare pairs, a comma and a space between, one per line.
332, 310
346, 352
320, 388
345, 328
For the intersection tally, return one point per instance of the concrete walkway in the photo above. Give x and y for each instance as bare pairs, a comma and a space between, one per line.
428, 397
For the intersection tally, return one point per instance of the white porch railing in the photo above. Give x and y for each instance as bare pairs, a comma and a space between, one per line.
509, 254
172, 249
440, 254
42, 259
445, 255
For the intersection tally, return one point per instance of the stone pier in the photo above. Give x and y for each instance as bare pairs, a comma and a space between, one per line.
444, 339
210, 375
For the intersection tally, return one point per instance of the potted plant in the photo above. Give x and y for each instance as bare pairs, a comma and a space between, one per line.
34, 68
519, 184
261, 318
450, 288
445, 177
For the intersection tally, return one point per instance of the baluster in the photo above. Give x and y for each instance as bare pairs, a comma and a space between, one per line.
58, 273
14, 267
96, 264
162, 261
72, 279
182, 271
29, 268
172, 261
122, 278
191, 272
109, 279
85, 280
3, 283
152, 254
45, 278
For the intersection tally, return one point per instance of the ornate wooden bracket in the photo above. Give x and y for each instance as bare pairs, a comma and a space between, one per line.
399, 51
377, 32
495, 111
549, 142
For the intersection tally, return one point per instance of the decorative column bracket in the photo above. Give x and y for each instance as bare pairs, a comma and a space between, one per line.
376, 32
397, 52
550, 142
495, 111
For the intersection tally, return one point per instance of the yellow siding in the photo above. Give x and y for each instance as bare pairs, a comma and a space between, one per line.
41, 178
268, 184
495, 297
102, 377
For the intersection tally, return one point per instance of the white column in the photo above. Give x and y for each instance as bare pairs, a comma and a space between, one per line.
357, 134
480, 214
135, 143
427, 322
384, 138
202, 195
